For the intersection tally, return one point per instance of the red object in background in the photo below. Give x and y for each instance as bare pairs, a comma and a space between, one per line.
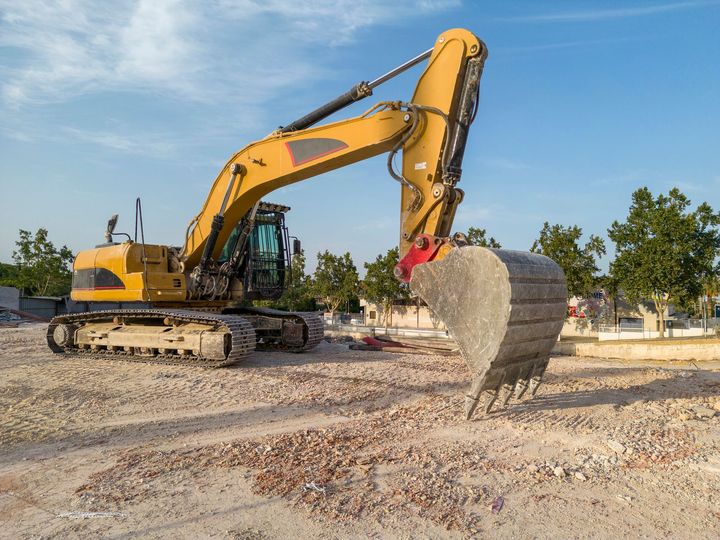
572, 311
382, 344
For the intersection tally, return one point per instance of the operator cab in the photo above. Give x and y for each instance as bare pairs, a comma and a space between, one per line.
264, 267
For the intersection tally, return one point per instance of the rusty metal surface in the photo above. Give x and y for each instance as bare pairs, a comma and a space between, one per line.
505, 310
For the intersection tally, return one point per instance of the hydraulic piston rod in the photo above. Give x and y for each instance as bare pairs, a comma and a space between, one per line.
360, 91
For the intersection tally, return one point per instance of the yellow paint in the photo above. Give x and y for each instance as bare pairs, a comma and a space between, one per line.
126, 261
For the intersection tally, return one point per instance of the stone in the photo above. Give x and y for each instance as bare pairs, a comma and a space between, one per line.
532, 469
580, 476
559, 472
704, 412
615, 446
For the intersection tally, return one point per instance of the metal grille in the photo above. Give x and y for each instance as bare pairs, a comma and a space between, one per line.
268, 261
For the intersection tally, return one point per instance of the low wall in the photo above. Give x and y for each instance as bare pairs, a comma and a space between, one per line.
644, 350
358, 332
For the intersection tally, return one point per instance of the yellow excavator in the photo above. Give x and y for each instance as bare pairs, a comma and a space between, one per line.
191, 304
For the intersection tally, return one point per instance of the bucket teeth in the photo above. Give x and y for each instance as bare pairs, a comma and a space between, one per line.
504, 309
491, 398
507, 393
536, 379
522, 384
471, 404
472, 399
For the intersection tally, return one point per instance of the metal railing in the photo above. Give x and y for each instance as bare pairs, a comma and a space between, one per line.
675, 328
390, 331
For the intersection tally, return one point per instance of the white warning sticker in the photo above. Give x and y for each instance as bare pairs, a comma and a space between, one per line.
420, 166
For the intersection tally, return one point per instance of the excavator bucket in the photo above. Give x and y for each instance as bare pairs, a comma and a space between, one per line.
505, 310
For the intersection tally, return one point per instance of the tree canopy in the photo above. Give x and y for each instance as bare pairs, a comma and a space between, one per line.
478, 237
578, 262
298, 295
380, 284
664, 251
335, 280
41, 268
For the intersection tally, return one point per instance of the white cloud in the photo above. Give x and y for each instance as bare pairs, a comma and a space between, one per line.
157, 42
202, 51
145, 144
332, 21
160, 145
74, 47
604, 14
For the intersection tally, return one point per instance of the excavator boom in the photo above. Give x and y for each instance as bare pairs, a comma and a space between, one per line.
430, 130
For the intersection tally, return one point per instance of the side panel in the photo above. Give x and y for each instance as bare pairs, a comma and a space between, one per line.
117, 273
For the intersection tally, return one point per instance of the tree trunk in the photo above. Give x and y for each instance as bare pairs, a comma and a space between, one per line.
660, 305
333, 304
615, 311
708, 304
45, 287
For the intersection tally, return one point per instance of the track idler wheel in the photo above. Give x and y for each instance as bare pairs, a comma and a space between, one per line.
60, 336
505, 310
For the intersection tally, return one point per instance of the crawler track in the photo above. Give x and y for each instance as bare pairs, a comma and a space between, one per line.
313, 327
242, 341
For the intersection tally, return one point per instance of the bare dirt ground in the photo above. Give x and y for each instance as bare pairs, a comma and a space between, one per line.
350, 444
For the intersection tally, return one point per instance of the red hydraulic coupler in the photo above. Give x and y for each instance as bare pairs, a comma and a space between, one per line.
424, 249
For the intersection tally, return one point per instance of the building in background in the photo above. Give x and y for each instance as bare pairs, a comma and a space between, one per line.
404, 314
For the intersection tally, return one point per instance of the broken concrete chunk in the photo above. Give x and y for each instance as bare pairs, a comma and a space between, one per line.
615, 446
704, 412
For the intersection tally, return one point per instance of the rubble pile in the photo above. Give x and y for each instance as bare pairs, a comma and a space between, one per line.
333, 471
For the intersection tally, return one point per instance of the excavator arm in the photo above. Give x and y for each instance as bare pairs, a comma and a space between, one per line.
430, 130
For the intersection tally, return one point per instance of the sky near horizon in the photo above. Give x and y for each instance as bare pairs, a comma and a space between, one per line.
582, 102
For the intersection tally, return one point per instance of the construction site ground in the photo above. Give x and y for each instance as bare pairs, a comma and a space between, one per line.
340, 443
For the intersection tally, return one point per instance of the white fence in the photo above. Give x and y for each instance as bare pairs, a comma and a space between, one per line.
391, 331
675, 329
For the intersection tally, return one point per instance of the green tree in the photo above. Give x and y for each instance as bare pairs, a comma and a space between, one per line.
42, 269
298, 294
579, 263
380, 284
664, 251
8, 274
335, 280
612, 289
711, 289
478, 237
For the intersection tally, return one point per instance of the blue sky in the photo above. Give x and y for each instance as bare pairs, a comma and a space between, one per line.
582, 102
